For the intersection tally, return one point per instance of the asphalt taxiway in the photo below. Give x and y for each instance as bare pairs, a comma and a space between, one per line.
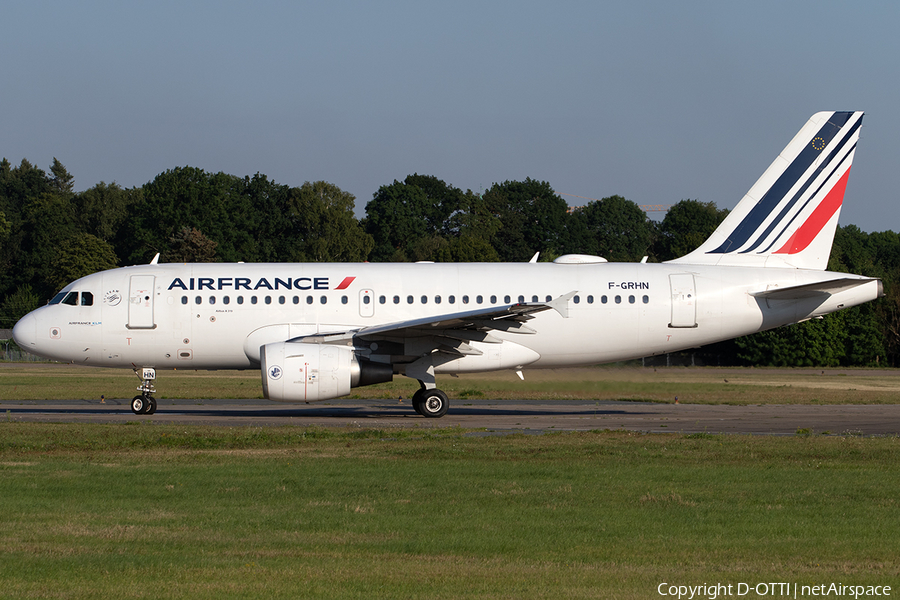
493, 415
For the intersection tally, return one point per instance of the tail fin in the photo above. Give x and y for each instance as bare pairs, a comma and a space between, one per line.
789, 216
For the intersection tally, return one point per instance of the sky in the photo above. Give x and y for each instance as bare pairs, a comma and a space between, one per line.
656, 101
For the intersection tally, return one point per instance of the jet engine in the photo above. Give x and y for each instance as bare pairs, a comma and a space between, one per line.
300, 372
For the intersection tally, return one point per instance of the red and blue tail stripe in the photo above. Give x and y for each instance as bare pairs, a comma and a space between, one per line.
792, 209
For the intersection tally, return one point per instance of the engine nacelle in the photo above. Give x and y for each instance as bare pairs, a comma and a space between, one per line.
293, 371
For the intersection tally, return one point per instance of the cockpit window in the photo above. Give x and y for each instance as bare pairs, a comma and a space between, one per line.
58, 298
71, 299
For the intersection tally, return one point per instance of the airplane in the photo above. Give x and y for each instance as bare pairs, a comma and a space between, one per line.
317, 330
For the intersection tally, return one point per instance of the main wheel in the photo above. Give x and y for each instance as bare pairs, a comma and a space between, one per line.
417, 401
434, 404
139, 405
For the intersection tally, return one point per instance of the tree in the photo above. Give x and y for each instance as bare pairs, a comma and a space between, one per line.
325, 223
470, 248
402, 213
531, 215
17, 305
4, 228
189, 245
102, 209
614, 228
83, 254
61, 182
188, 197
685, 227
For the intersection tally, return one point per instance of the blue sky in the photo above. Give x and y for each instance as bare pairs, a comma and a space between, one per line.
655, 101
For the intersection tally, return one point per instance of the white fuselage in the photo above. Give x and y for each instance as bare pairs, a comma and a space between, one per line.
216, 316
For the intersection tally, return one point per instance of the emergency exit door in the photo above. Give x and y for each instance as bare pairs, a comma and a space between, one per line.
684, 300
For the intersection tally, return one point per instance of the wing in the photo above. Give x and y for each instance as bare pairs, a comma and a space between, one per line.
473, 325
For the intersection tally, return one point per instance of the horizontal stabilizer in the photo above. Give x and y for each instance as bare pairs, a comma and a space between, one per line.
811, 290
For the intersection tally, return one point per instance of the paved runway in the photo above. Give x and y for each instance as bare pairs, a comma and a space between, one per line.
493, 415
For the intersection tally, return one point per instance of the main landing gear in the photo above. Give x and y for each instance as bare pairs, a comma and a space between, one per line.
431, 404
144, 403
428, 401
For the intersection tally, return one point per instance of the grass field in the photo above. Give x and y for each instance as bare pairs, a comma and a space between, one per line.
158, 511
706, 385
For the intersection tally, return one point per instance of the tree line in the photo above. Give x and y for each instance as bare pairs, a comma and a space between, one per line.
51, 235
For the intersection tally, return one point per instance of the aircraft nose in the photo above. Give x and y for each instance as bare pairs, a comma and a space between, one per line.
25, 332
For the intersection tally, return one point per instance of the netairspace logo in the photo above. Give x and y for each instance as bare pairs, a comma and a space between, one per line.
771, 590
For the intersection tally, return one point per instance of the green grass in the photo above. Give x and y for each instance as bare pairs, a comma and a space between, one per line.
160, 511
691, 385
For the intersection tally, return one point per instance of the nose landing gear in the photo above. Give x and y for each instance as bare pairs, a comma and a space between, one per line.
144, 403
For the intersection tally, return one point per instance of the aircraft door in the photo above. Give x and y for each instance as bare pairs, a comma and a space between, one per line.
366, 303
140, 302
684, 300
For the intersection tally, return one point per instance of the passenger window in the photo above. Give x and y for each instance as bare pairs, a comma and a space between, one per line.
590, 299
184, 299
240, 299
493, 299
296, 299
646, 299
506, 299
268, 299
410, 299
437, 299
281, 299
367, 300
309, 299
87, 299
212, 299
630, 299
465, 299
451, 299
534, 299
576, 299
382, 300
396, 299
602, 299
424, 299
323, 300
198, 300
549, 298
618, 299
479, 299
226, 300
521, 299
253, 300
344, 300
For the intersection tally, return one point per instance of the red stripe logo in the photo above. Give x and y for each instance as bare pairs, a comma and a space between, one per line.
345, 283
807, 232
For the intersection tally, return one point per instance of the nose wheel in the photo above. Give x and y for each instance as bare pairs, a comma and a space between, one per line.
144, 403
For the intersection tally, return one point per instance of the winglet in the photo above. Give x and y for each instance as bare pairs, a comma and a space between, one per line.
561, 304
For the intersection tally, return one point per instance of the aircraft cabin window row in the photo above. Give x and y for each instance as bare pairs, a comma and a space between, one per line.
87, 299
